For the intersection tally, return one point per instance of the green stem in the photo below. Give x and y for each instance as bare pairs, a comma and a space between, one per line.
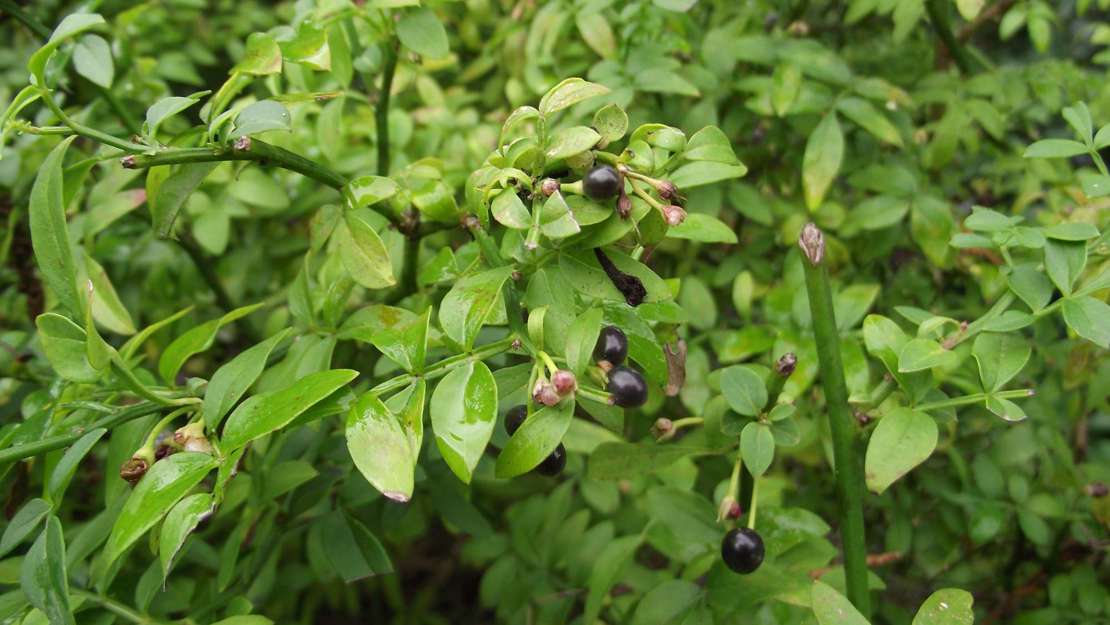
381, 113
207, 272
938, 15
32, 24
513, 309
245, 149
881, 392
848, 463
592, 394
50, 443
686, 422
119, 109
974, 398
755, 503
442, 367
86, 131
116, 607
152, 436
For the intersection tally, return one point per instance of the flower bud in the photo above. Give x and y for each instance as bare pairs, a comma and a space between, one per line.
191, 438
786, 364
564, 382
666, 190
663, 429
549, 186
729, 509
624, 205
674, 214
1097, 489
812, 242
544, 393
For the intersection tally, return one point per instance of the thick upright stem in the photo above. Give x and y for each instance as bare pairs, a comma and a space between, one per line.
35, 26
245, 149
849, 465
938, 15
381, 115
223, 299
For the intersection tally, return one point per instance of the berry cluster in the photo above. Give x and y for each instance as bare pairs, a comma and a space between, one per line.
626, 386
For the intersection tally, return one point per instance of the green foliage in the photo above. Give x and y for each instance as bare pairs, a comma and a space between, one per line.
252, 249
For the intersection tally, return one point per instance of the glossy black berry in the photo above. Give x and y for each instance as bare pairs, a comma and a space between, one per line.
627, 387
602, 183
612, 345
515, 417
742, 550
554, 463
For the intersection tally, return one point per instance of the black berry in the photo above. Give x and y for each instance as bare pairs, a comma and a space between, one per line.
602, 183
515, 417
742, 550
627, 387
612, 345
554, 463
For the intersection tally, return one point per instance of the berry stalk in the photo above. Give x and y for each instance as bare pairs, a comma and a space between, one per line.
849, 463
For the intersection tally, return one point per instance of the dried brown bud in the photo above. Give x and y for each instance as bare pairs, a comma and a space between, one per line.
134, 469
676, 367
242, 144
786, 364
1097, 489
564, 382
812, 242
128, 162
674, 214
624, 205
163, 451
549, 186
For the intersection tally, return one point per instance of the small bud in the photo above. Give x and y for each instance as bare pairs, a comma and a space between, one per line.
624, 205
549, 186
862, 417
674, 214
786, 364
735, 510
728, 509
812, 242
605, 365
196, 386
128, 162
242, 144
663, 429
134, 469
544, 393
564, 382
667, 190
191, 438
516, 345
798, 28
1097, 489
